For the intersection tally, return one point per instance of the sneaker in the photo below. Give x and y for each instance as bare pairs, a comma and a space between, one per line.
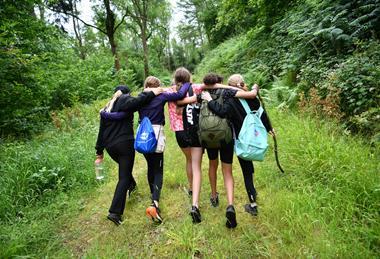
195, 215
251, 208
115, 218
153, 212
214, 200
231, 217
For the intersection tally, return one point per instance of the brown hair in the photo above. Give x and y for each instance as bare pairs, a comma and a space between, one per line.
212, 78
181, 76
236, 80
152, 82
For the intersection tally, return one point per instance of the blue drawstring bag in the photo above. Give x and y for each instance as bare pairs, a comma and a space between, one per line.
145, 141
252, 142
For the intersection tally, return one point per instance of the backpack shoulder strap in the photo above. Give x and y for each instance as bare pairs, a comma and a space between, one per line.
219, 91
191, 92
260, 111
219, 95
245, 105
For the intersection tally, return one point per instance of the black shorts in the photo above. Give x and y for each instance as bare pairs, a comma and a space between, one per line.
186, 138
226, 153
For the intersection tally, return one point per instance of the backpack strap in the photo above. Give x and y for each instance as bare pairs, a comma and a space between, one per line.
245, 105
259, 111
219, 95
190, 91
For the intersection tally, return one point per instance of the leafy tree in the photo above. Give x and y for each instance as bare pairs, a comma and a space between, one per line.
106, 18
23, 42
146, 17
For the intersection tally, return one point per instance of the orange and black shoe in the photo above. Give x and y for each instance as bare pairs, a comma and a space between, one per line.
153, 212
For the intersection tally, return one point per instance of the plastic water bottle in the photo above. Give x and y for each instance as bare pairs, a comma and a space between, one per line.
99, 170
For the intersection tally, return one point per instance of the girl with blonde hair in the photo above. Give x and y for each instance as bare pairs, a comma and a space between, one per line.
235, 112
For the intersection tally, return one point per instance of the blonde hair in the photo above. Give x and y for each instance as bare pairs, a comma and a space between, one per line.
110, 104
236, 80
152, 82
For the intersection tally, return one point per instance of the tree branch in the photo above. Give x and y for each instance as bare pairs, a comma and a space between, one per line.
77, 17
122, 20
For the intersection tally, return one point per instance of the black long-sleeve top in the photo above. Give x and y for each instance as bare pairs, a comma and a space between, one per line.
234, 111
113, 131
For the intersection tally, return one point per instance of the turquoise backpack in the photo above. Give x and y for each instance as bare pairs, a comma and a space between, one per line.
252, 142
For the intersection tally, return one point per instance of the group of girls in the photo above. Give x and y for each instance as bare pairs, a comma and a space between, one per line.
117, 137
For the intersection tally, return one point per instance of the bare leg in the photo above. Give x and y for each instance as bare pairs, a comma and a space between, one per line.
189, 171
196, 161
228, 182
212, 175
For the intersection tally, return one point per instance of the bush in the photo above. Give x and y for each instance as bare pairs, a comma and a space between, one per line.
54, 163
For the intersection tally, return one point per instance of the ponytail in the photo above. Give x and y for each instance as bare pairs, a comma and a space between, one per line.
110, 104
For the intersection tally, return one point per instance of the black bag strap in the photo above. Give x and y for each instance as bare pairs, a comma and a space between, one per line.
190, 91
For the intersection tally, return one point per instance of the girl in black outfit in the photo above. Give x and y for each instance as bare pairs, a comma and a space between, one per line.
117, 137
234, 111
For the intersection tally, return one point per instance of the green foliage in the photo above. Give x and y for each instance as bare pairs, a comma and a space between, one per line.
39, 169
23, 40
304, 50
358, 78
223, 59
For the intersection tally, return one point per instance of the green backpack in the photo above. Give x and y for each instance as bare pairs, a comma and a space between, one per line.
213, 130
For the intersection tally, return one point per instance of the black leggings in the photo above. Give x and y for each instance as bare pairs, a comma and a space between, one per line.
155, 173
248, 170
122, 153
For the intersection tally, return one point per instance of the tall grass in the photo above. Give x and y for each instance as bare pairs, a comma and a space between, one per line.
39, 175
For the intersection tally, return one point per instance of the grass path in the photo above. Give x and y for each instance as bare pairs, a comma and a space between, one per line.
306, 213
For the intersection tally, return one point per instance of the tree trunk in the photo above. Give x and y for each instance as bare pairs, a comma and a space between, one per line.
146, 54
42, 12
78, 35
110, 28
114, 53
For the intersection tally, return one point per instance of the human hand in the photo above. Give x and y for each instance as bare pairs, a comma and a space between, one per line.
256, 88
99, 159
206, 96
272, 133
157, 90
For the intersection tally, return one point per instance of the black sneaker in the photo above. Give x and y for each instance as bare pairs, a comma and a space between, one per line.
115, 218
195, 215
231, 217
251, 208
214, 200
